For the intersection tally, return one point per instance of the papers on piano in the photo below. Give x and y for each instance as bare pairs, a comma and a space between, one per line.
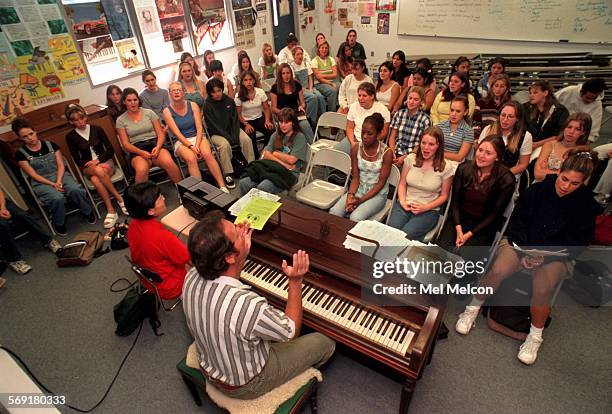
392, 241
538, 252
244, 200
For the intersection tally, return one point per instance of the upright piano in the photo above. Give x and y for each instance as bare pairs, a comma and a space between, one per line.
400, 337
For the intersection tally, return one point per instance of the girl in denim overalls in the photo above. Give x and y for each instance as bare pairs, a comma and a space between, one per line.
50, 181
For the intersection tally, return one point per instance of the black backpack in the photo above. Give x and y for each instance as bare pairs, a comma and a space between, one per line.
133, 309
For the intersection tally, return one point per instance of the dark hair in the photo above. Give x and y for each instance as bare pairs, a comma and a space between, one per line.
390, 68
361, 62
544, 86
497, 59
242, 55
463, 100
243, 94
208, 246
472, 173
20, 123
328, 48
349, 32
401, 55
438, 159
447, 95
196, 68
425, 62
376, 120
146, 73
279, 79
72, 109
458, 62
342, 59
425, 74
368, 88
317, 35
109, 90
292, 38
595, 85
400, 73
215, 65
113, 109
125, 93
140, 198
585, 123
206, 64
212, 84
580, 161
287, 115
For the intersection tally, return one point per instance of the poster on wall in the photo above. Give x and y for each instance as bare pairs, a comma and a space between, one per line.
149, 23
382, 26
367, 9
171, 19
87, 19
208, 18
244, 19
309, 5
14, 100
66, 60
386, 5
117, 19
37, 76
128, 53
98, 50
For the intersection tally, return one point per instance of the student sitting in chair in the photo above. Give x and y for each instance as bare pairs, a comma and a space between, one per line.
151, 245
44, 164
559, 211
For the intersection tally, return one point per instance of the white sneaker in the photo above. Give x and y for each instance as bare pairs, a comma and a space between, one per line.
528, 352
20, 266
54, 246
467, 320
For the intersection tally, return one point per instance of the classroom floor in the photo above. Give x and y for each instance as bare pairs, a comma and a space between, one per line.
60, 322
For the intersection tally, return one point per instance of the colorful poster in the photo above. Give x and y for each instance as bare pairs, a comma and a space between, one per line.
117, 19
169, 8
383, 23
66, 60
173, 28
386, 5
309, 5
14, 101
98, 50
240, 4
208, 18
244, 19
367, 9
128, 53
37, 76
88, 19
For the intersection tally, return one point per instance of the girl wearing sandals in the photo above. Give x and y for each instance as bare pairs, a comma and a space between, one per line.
93, 154
371, 163
184, 120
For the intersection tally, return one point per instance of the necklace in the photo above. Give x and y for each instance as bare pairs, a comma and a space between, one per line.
368, 155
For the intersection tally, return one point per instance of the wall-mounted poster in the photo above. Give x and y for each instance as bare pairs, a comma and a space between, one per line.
382, 27
14, 101
147, 19
386, 5
117, 19
169, 8
66, 60
309, 5
128, 53
208, 18
37, 76
173, 28
88, 19
244, 19
98, 50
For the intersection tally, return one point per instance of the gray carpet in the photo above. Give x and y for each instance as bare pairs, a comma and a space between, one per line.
60, 322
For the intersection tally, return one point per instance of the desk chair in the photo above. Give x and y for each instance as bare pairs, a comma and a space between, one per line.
292, 401
393, 180
320, 193
118, 176
149, 280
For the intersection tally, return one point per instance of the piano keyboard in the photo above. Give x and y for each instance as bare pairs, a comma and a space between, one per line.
351, 316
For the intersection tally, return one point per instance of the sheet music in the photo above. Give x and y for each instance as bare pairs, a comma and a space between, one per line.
244, 200
393, 240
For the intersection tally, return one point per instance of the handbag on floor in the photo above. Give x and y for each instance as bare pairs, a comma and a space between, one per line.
83, 248
133, 309
118, 236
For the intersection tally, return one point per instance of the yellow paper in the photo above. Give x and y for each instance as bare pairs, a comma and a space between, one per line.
257, 212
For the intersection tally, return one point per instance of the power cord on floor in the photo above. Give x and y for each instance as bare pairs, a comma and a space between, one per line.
23, 364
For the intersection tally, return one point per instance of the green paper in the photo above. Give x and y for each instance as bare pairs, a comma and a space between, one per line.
257, 212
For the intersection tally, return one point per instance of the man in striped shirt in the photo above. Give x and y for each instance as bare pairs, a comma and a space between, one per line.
245, 346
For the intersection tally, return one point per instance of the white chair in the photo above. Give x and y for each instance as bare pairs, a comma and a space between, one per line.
266, 84
394, 178
302, 177
498, 236
328, 120
434, 233
118, 176
521, 97
320, 193
602, 150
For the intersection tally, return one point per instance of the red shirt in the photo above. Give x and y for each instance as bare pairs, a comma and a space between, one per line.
157, 249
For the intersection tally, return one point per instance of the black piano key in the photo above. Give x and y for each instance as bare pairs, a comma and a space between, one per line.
328, 301
386, 328
404, 335
372, 322
393, 331
367, 319
320, 298
260, 271
399, 333
280, 280
354, 312
338, 305
380, 326
345, 310
342, 308
250, 265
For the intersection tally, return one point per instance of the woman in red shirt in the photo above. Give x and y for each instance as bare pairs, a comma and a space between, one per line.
151, 245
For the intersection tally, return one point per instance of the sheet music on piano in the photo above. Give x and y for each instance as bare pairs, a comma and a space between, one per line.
393, 240
244, 200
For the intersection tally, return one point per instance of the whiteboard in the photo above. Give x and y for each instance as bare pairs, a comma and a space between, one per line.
581, 21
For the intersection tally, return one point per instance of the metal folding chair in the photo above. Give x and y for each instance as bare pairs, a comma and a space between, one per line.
148, 280
393, 180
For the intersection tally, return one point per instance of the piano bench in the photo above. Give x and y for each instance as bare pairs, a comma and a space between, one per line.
194, 379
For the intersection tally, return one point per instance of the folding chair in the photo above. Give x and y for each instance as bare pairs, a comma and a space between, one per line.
266, 84
28, 184
148, 280
302, 177
319, 193
521, 97
498, 235
118, 176
20, 232
434, 233
393, 180
328, 120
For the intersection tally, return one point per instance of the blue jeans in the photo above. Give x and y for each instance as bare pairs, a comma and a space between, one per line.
266, 185
331, 95
55, 201
416, 226
363, 211
9, 247
315, 104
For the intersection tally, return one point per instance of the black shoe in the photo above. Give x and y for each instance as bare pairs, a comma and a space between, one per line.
61, 230
91, 218
229, 181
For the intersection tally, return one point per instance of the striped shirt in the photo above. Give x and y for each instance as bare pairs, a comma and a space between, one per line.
409, 129
454, 139
232, 327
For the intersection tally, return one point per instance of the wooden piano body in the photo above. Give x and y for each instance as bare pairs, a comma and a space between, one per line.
337, 271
